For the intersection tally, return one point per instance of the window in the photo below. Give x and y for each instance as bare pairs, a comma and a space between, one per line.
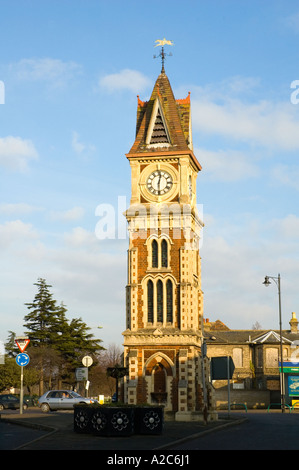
159, 301
164, 250
169, 300
272, 357
159, 253
238, 357
150, 301
154, 254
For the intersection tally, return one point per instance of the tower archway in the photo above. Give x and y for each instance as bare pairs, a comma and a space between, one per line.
159, 372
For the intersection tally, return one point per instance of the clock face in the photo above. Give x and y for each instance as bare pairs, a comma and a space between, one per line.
159, 182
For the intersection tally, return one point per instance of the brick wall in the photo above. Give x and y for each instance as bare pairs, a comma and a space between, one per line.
253, 399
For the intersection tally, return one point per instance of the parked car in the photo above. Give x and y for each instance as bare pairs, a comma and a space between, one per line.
11, 402
61, 400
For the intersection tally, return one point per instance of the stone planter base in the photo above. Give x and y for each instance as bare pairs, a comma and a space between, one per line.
117, 420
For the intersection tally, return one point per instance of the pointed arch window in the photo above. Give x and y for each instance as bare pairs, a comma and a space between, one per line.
159, 301
150, 301
164, 254
169, 301
154, 254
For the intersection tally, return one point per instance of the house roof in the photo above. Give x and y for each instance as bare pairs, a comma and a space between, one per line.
163, 124
249, 336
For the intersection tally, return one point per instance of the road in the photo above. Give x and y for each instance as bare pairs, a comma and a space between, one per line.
255, 431
13, 436
261, 431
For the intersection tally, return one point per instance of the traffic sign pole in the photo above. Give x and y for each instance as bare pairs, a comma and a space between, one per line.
21, 391
22, 360
228, 387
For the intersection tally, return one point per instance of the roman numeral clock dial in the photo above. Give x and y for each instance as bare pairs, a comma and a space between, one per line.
159, 182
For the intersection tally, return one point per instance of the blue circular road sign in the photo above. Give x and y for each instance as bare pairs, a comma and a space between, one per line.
22, 359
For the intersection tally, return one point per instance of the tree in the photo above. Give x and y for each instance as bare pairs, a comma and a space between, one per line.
42, 323
10, 346
43, 318
256, 326
58, 344
9, 374
101, 382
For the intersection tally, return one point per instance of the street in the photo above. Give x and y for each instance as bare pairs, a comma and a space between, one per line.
261, 431
255, 430
13, 435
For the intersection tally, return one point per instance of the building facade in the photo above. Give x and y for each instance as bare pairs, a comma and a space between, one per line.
256, 356
164, 301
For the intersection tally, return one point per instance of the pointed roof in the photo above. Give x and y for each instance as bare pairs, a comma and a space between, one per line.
163, 124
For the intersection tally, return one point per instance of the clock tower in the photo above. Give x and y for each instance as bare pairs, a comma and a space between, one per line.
163, 338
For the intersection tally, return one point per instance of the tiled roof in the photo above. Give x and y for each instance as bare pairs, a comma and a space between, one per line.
248, 336
173, 131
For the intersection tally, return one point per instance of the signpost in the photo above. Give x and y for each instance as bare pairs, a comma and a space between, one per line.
82, 372
222, 368
22, 343
22, 360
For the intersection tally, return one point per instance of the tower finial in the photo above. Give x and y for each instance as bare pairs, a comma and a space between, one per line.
163, 42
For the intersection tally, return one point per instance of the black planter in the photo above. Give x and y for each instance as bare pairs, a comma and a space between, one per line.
149, 420
118, 420
82, 418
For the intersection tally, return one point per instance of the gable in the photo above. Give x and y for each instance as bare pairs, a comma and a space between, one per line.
270, 337
157, 133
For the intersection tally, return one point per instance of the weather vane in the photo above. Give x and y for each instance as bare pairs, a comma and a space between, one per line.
163, 42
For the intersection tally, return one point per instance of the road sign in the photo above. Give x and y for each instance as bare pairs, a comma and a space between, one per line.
289, 367
222, 368
22, 359
22, 343
87, 361
81, 373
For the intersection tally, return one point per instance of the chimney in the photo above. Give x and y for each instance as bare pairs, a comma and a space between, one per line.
294, 323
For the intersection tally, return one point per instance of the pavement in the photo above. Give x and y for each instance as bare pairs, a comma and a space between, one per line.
57, 432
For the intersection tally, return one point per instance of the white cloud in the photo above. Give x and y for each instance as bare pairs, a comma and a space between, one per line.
274, 125
292, 22
228, 165
232, 110
16, 231
53, 71
286, 175
16, 153
80, 237
80, 147
233, 270
69, 215
125, 80
18, 208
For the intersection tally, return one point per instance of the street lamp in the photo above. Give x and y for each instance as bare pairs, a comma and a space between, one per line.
277, 282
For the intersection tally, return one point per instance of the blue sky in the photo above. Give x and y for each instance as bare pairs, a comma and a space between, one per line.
72, 70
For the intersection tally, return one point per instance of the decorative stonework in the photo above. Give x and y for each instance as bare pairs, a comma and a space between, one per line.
163, 335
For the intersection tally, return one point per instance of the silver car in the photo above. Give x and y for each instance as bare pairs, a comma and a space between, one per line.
61, 400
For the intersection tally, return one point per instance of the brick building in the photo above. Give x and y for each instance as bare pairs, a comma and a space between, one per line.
163, 336
256, 355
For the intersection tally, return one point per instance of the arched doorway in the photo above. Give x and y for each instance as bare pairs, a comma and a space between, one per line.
159, 373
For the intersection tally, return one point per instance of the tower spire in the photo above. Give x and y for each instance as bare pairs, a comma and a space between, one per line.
163, 42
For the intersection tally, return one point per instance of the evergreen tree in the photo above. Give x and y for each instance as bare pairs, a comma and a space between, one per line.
11, 348
43, 318
58, 344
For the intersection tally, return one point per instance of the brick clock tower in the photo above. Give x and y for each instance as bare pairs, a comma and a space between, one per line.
164, 301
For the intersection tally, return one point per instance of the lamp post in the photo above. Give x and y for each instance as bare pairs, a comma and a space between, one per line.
277, 282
